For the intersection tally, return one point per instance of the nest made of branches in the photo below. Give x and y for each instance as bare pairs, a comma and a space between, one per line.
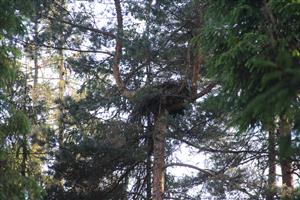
171, 95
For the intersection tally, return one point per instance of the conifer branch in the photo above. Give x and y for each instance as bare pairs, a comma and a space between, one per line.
95, 30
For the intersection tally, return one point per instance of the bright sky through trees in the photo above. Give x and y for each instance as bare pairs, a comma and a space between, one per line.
132, 99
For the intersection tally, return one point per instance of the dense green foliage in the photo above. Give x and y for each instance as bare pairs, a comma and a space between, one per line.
14, 120
253, 50
67, 133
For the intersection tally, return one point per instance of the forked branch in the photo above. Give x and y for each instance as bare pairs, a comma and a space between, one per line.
117, 58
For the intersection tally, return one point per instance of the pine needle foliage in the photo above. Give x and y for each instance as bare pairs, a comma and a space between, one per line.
252, 48
15, 182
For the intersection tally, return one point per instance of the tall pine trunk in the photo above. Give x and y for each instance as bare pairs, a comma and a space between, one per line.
148, 170
272, 165
62, 71
285, 153
62, 82
149, 143
159, 136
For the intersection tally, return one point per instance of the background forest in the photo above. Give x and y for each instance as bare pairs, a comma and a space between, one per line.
155, 99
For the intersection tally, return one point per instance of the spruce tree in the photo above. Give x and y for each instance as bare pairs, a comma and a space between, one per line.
17, 179
252, 50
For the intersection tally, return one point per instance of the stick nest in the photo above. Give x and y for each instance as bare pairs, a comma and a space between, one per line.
171, 96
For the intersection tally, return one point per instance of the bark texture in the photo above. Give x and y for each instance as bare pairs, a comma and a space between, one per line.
149, 158
285, 141
159, 136
118, 53
272, 166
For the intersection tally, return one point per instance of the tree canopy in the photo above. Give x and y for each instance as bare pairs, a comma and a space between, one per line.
102, 99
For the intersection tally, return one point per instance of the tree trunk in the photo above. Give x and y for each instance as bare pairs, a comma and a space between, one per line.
35, 54
62, 72
36, 70
272, 166
149, 143
148, 171
160, 129
285, 152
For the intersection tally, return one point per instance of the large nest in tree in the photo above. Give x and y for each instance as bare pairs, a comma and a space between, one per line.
171, 96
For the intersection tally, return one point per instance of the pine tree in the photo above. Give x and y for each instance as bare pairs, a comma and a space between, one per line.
251, 48
153, 76
16, 180
162, 95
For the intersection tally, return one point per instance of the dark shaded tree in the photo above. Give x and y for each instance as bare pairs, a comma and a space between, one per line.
251, 48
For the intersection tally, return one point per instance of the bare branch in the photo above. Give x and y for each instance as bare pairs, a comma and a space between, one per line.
22, 42
77, 50
205, 171
205, 91
95, 30
212, 150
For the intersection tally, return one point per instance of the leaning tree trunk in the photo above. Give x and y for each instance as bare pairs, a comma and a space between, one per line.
285, 153
160, 130
272, 165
